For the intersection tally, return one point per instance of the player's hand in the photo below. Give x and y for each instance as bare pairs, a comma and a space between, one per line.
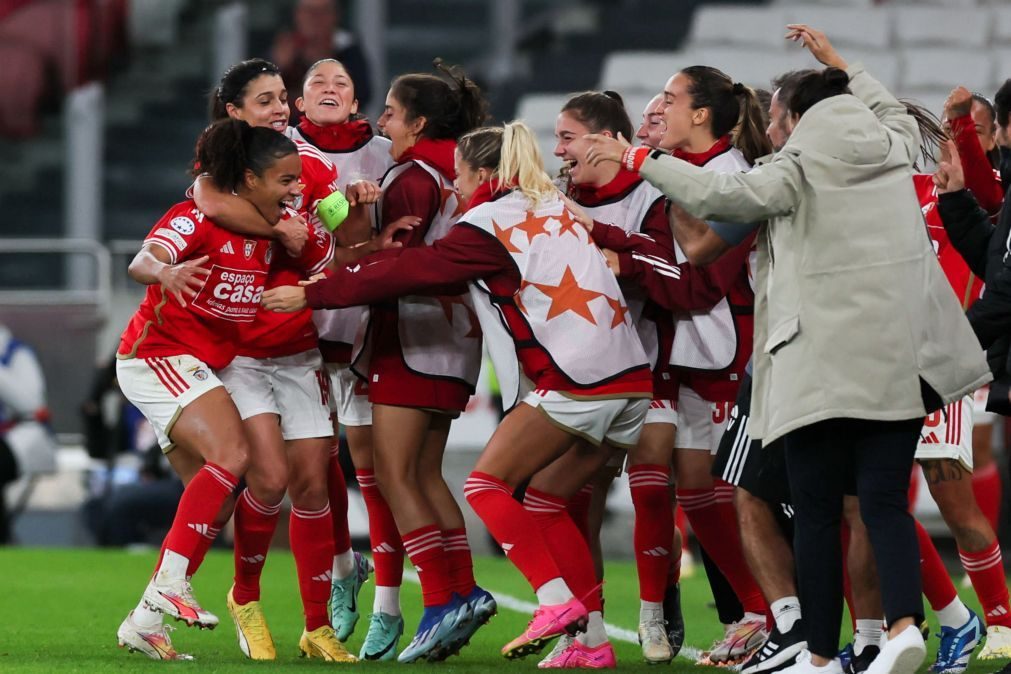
958, 104
816, 42
612, 260
949, 176
184, 279
293, 234
605, 148
284, 299
578, 214
312, 279
385, 238
362, 192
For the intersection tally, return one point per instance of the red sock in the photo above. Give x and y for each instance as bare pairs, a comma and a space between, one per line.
424, 548
310, 533
937, 585
987, 488
579, 510
255, 524
986, 571
567, 545
654, 528
513, 527
715, 526
461, 566
384, 538
195, 516
338, 490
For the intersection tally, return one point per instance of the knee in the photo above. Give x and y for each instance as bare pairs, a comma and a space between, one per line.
308, 492
234, 459
268, 486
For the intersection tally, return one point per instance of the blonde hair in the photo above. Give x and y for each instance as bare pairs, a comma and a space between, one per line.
512, 154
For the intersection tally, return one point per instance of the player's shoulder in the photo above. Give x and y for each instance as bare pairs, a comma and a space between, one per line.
312, 156
185, 218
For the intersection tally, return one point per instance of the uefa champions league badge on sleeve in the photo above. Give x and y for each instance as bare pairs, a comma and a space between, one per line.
332, 211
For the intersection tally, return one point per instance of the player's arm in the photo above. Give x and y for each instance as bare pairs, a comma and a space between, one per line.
240, 216
153, 264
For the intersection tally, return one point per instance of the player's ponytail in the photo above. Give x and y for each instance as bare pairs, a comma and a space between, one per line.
521, 161
451, 105
230, 147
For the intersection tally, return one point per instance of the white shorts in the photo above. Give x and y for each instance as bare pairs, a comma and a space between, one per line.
980, 417
350, 399
616, 420
662, 412
701, 422
162, 387
947, 434
296, 388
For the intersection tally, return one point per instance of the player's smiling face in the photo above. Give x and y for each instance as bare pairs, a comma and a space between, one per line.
678, 115
276, 188
264, 103
328, 97
571, 148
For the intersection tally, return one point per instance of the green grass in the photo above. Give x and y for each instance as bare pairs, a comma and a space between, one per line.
61, 609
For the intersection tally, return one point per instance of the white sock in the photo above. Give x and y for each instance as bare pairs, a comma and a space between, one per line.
753, 617
555, 591
868, 633
387, 600
145, 617
344, 564
786, 612
172, 567
595, 633
954, 614
650, 610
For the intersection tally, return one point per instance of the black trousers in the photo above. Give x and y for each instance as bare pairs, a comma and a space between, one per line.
823, 459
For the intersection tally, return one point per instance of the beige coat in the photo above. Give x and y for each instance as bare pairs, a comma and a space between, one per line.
851, 306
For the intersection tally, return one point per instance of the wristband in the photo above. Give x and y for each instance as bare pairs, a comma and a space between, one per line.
633, 157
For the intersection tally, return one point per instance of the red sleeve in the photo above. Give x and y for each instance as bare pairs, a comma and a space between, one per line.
465, 254
648, 258
317, 252
319, 176
180, 231
416, 193
980, 177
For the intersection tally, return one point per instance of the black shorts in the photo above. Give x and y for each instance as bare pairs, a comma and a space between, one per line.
746, 463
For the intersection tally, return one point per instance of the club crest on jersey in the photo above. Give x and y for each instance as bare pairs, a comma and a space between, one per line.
269, 255
248, 248
183, 225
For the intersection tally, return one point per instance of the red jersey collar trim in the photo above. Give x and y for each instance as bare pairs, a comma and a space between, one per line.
592, 195
488, 191
702, 158
436, 153
339, 137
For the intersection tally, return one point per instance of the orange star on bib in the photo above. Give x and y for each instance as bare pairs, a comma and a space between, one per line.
505, 236
620, 311
533, 226
568, 296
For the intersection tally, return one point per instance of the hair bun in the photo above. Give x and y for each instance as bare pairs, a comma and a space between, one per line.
614, 95
739, 89
835, 77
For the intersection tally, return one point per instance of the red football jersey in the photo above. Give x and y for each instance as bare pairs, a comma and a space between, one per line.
967, 286
272, 334
318, 180
210, 326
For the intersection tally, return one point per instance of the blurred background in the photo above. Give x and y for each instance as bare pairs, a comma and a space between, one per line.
101, 102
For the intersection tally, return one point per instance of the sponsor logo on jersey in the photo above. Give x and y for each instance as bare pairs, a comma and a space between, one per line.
180, 242
248, 248
183, 225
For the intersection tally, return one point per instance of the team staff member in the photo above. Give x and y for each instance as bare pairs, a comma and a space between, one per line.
558, 324
420, 355
820, 377
330, 124
204, 289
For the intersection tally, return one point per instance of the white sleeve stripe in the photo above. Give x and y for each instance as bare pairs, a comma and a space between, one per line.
168, 246
321, 265
659, 264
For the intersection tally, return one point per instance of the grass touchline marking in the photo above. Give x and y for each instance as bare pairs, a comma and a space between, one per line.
520, 606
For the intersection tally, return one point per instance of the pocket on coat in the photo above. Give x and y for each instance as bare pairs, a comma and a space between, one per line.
782, 334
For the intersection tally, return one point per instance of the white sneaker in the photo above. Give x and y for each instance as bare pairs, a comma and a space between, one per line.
998, 643
902, 654
739, 641
656, 646
803, 665
154, 642
175, 598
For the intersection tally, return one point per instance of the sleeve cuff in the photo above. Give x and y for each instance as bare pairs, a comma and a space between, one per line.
952, 196
633, 157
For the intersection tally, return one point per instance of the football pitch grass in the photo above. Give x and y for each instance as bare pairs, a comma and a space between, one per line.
61, 609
